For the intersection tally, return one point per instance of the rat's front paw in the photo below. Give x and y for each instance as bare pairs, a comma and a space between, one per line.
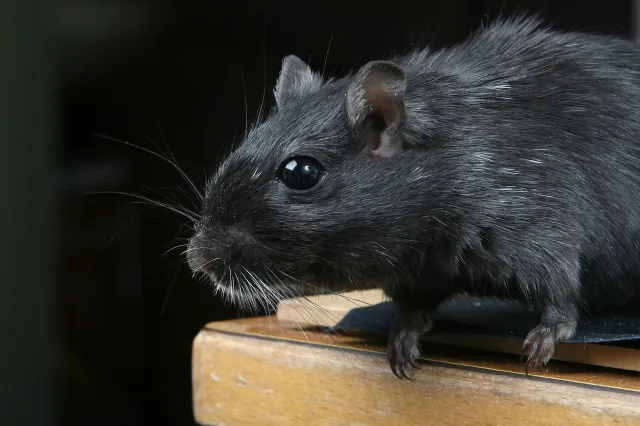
403, 352
540, 344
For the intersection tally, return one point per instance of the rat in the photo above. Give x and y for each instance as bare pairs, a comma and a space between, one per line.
505, 166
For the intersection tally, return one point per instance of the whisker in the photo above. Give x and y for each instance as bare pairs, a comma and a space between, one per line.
246, 105
254, 298
171, 198
168, 156
209, 262
195, 248
264, 58
163, 158
174, 248
323, 310
258, 286
164, 268
263, 286
154, 203
326, 57
166, 145
308, 312
348, 298
176, 209
173, 281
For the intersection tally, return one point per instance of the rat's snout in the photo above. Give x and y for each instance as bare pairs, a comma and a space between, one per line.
217, 254
200, 257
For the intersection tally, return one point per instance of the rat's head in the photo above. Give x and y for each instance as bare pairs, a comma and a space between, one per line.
305, 201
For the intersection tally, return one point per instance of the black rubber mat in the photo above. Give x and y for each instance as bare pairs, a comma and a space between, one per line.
495, 318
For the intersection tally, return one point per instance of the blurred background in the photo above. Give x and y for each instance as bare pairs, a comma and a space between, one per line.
98, 313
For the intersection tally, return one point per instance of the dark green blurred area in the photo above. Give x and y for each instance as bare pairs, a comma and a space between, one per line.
98, 317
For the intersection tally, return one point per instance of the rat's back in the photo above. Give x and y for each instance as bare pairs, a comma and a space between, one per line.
550, 123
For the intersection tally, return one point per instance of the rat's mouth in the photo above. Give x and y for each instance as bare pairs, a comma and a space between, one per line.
214, 278
257, 283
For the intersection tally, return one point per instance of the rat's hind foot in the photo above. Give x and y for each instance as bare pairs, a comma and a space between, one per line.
403, 349
558, 323
540, 344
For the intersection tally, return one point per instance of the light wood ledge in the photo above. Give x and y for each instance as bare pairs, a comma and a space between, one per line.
261, 371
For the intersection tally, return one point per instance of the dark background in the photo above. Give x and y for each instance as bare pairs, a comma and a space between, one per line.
98, 320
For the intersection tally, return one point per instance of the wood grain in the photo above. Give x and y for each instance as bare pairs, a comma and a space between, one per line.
259, 371
330, 309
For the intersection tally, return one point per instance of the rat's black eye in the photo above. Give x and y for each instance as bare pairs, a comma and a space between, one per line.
300, 172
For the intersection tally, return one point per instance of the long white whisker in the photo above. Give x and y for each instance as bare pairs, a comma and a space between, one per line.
169, 157
263, 287
326, 57
253, 299
209, 262
175, 248
309, 309
350, 299
174, 165
246, 105
259, 287
175, 209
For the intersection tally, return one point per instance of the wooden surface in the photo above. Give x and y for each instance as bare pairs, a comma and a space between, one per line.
328, 310
261, 371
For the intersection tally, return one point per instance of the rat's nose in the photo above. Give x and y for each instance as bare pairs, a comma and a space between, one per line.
200, 259
228, 250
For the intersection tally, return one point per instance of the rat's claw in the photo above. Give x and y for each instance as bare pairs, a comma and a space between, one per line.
396, 365
414, 363
394, 368
403, 353
405, 372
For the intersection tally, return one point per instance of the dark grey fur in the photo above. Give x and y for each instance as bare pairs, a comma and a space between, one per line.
506, 166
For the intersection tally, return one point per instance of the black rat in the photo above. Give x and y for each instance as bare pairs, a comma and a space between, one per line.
505, 166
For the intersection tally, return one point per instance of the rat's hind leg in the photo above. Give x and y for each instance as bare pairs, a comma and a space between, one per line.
558, 324
560, 297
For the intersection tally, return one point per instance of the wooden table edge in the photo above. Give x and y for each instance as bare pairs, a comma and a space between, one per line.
221, 327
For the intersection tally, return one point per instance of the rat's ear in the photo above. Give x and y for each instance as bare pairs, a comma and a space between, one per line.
296, 79
378, 89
